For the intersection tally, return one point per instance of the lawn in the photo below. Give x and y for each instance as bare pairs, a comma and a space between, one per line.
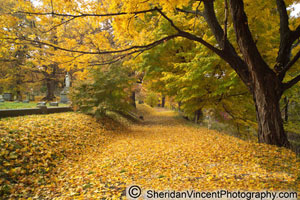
14, 105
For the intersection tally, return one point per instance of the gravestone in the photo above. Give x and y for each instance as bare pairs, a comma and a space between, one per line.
64, 97
27, 97
53, 103
1, 98
31, 97
64, 93
8, 96
41, 104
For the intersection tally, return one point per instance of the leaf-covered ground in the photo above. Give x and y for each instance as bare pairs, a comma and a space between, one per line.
71, 156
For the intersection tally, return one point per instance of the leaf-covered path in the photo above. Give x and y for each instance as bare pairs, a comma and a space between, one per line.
160, 153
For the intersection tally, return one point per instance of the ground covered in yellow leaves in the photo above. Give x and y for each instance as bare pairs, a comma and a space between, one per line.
72, 156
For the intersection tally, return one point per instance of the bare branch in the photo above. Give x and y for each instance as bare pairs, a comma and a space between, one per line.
138, 48
167, 18
284, 18
108, 62
229, 53
225, 21
206, 44
68, 61
290, 64
88, 14
213, 23
285, 38
194, 12
53, 27
244, 36
291, 83
196, 15
296, 33
192, 37
52, 6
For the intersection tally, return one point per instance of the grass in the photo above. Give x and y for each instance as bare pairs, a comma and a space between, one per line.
14, 105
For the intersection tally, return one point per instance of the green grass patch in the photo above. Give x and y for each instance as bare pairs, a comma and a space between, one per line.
15, 105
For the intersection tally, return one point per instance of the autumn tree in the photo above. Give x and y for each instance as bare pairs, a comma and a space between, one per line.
17, 70
106, 89
265, 79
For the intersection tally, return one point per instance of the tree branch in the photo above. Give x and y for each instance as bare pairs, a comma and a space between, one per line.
88, 14
200, 40
170, 21
296, 33
286, 40
140, 48
192, 37
108, 62
225, 21
62, 23
291, 83
194, 12
230, 54
289, 65
213, 23
244, 38
284, 18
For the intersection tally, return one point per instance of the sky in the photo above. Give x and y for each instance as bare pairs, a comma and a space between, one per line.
296, 11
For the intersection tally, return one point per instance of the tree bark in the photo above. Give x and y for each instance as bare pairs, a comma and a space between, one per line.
132, 97
286, 109
163, 101
19, 95
270, 123
50, 83
198, 116
179, 106
265, 86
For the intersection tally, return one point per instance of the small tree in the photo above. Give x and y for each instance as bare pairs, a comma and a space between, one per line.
152, 99
106, 90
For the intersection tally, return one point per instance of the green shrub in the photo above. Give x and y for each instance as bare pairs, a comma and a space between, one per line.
152, 99
106, 90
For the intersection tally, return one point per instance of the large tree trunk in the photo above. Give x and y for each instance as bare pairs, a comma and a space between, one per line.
264, 82
132, 97
286, 109
179, 106
198, 116
19, 95
163, 101
270, 123
50, 83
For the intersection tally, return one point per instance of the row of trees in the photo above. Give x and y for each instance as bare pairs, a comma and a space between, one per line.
25, 67
203, 53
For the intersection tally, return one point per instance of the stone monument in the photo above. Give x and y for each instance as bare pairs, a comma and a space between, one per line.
64, 93
8, 96
1, 98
